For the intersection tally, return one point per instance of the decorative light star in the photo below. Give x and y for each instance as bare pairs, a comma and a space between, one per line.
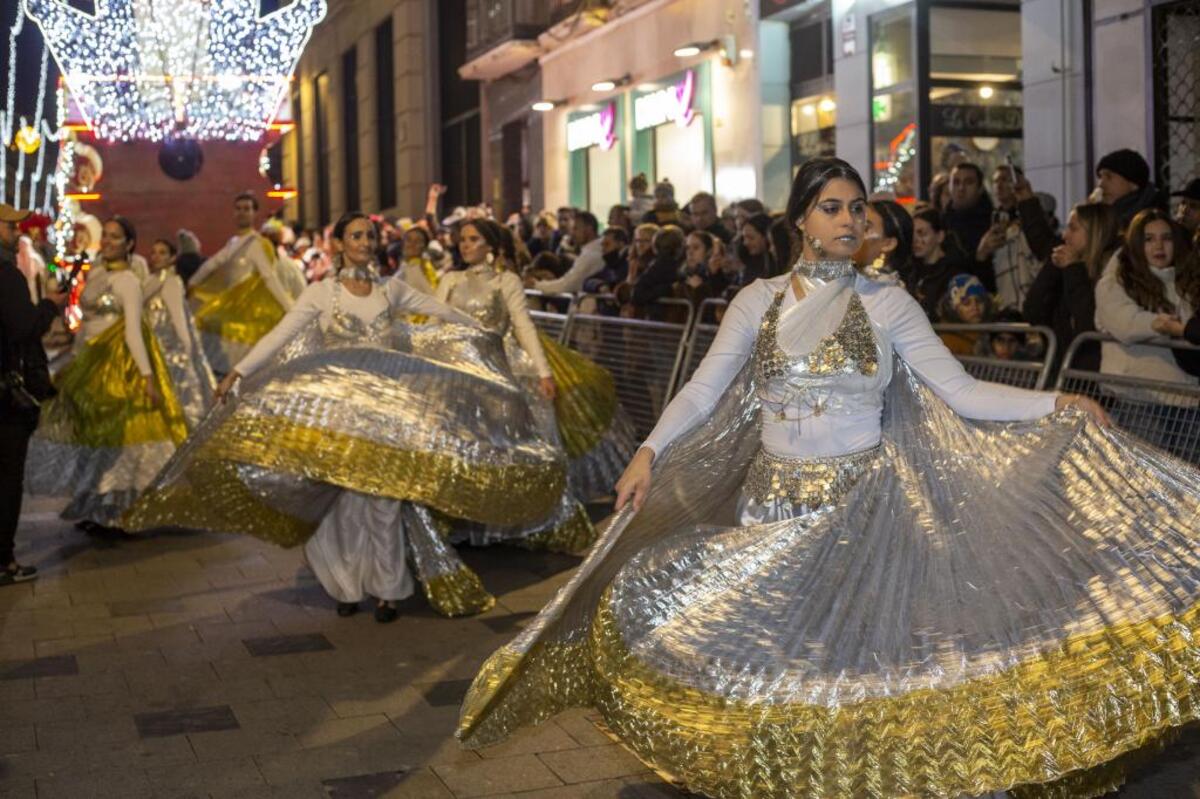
149, 69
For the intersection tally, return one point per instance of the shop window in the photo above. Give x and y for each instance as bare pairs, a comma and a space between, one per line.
893, 104
814, 128
972, 44
980, 124
604, 180
891, 50
385, 113
321, 130
350, 127
679, 158
975, 102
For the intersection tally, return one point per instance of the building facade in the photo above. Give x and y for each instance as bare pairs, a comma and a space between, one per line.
728, 96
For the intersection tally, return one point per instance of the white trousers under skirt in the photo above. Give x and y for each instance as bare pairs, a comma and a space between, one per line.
359, 550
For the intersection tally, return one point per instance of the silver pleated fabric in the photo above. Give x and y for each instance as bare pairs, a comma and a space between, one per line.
191, 375
101, 482
359, 549
967, 552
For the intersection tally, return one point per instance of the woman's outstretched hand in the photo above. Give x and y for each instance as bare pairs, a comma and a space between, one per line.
225, 386
1085, 404
635, 481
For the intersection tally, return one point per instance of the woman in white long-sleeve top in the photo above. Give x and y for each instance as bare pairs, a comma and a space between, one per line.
171, 321
843, 567
1147, 286
344, 440
116, 419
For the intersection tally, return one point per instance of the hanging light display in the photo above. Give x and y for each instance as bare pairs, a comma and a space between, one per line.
154, 69
27, 140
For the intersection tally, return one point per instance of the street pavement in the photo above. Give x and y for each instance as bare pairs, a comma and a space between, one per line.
199, 665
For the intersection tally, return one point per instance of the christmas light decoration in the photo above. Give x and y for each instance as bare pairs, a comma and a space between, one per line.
902, 150
27, 139
203, 69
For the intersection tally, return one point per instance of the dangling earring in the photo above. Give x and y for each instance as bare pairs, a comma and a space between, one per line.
490, 258
880, 262
811, 241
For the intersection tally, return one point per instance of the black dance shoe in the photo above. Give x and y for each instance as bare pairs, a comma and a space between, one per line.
385, 614
347, 608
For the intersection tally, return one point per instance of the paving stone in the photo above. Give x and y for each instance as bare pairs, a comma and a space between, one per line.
448, 692
507, 624
546, 737
52, 666
364, 786
116, 782
592, 763
180, 722
17, 738
220, 745
287, 644
581, 725
502, 775
219, 777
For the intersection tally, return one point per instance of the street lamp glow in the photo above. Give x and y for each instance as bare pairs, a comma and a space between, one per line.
986, 92
687, 51
809, 109
604, 86
543, 106
826, 105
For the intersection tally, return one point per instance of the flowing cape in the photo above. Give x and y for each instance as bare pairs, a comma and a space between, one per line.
991, 605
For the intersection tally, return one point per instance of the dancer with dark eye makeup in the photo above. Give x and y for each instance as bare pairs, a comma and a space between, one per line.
843, 567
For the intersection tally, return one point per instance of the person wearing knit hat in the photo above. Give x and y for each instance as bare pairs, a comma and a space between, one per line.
1123, 177
1187, 208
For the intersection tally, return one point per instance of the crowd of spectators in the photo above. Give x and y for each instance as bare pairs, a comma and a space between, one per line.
986, 248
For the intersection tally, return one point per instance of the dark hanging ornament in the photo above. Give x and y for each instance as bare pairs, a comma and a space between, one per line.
180, 158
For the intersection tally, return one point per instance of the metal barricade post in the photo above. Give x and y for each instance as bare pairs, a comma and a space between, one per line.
699, 341
546, 317
1023, 373
1162, 413
642, 355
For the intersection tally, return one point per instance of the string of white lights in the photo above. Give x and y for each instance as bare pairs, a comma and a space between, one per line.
40, 168
6, 118
142, 70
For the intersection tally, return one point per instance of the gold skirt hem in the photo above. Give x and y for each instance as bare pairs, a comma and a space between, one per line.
1065, 724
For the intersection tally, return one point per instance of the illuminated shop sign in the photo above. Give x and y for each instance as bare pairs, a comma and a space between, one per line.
593, 130
670, 104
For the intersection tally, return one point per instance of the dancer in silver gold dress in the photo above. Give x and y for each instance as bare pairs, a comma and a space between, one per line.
842, 567
586, 416
171, 321
347, 441
116, 420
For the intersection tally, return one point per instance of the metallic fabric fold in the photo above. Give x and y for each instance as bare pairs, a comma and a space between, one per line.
988, 605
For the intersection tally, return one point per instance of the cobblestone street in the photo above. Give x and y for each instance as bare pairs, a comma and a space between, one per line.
189, 665
200, 665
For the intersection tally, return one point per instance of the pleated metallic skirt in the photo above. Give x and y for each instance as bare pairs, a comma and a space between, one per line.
971, 608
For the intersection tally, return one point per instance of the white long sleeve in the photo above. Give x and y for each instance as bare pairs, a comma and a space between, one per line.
173, 299
1116, 312
126, 287
291, 276
271, 272
522, 324
922, 349
728, 353
904, 327
214, 262
403, 298
589, 262
312, 303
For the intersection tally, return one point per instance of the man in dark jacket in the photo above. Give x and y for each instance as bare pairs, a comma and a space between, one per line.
1123, 177
24, 381
969, 217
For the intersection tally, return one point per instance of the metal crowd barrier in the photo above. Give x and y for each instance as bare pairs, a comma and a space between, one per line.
700, 340
1161, 413
642, 355
1021, 373
545, 311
